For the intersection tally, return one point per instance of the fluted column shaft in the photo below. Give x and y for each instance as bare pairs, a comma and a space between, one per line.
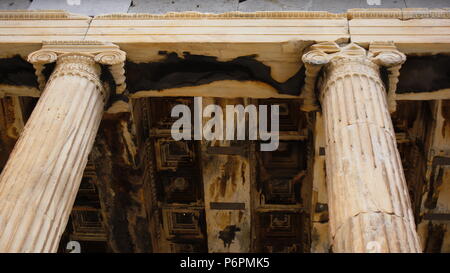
370, 209
39, 184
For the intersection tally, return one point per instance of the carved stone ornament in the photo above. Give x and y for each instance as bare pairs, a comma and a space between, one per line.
380, 54
387, 55
98, 52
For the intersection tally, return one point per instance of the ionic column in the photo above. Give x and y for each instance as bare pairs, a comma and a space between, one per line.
40, 181
370, 209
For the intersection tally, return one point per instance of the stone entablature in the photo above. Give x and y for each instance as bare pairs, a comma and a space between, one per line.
276, 39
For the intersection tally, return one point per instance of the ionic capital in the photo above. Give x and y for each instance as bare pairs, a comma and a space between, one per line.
350, 59
80, 58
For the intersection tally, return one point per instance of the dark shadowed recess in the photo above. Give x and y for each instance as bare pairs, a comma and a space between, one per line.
418, 73
424, 74
193, 70
16, 71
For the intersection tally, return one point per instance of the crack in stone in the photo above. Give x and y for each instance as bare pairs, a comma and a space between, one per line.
333, 236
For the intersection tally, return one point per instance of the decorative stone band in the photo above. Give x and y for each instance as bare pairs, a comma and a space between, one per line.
335, 57
88, 53
192, 15
79, 64
358, 13
402, 14
40, 15
343, 66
